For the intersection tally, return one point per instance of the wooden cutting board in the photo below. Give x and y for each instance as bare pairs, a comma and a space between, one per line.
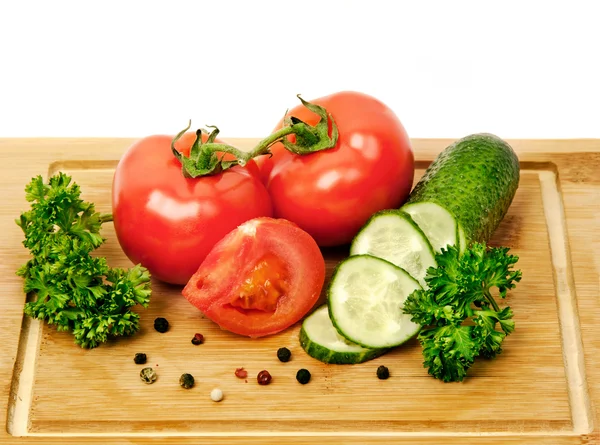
544, 388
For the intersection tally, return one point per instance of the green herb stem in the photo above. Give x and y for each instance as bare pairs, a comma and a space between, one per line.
491, 300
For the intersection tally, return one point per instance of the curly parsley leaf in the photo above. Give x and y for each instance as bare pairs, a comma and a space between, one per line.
449, 351
458, 311
73, 290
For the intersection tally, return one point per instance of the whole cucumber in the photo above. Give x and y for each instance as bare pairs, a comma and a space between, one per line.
475, 179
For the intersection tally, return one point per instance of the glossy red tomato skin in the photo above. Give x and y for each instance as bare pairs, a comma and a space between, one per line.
169, 223
332, 193
213, 286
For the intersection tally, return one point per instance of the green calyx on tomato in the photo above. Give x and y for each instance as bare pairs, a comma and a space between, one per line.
208, 158
203, 159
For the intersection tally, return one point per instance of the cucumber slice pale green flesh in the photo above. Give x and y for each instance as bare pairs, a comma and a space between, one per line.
438, 225
322, 341
393, 236
365, 299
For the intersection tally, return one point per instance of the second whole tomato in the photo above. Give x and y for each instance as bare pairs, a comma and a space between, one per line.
168, 222
331, 193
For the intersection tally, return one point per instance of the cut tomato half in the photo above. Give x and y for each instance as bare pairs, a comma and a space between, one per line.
260, 279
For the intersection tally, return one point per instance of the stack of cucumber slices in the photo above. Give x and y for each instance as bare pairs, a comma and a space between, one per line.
462, 197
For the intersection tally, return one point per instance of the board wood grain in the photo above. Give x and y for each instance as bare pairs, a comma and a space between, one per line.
544, 388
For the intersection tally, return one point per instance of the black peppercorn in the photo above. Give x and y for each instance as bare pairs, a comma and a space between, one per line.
186, 381
161, 325
198, 339
139, 358
383, 373
284, 354
303, 376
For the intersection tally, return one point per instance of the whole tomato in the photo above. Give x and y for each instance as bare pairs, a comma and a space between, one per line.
331, 193
168, 222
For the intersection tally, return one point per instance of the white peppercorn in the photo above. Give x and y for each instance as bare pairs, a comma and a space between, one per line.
216, 395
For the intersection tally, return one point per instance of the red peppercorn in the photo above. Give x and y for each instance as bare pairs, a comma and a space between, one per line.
241, 373
198, 339
263, 377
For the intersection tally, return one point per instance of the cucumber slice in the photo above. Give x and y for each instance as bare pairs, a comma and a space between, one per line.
393, 236
365, 301
438, 225
321, 340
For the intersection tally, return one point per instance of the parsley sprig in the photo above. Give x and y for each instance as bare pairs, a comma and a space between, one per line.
73, 290
458, 311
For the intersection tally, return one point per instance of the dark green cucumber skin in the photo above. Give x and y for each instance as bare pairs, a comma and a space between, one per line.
339, 358
475, 179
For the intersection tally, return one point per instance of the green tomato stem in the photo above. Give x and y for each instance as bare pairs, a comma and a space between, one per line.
300, 129
204, 157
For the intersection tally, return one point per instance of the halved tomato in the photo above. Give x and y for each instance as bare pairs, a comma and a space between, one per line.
263, 277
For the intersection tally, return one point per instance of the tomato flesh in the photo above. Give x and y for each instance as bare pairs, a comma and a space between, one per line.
261, 278
263, 287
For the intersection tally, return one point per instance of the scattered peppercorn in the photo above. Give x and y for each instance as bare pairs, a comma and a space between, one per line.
303, 376
284, 354
383, 373
140, 358
216, 395
241, 373
198, 339
148, 375
186, 381
161, 325
263, 377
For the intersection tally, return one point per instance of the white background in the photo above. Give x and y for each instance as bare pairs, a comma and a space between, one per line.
447, 68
